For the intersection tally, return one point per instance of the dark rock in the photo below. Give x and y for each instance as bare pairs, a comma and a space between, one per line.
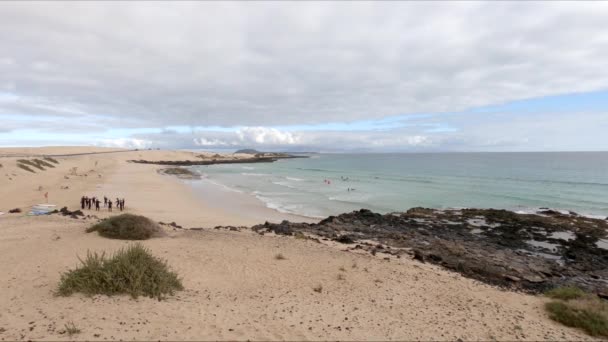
443, 237
175, 225
66, 212
534, 278
13, 211
512, 278
348, 239
418, 255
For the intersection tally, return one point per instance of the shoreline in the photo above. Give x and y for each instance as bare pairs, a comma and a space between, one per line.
235, 287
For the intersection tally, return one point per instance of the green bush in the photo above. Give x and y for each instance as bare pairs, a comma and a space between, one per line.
126, 227
565, 293
131, 271
586, 317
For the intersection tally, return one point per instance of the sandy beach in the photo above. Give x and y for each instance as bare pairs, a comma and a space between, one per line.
234, 287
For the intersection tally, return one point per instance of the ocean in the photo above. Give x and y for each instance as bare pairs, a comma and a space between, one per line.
330, 184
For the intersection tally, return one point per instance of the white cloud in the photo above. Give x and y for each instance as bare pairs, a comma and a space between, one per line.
124, 143
211, 142
91, 67
269, 64
266, 136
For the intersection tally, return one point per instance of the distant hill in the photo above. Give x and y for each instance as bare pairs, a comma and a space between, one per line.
248, 151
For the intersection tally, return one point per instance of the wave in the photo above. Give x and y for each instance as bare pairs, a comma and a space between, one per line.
294, 179
529, 210
248, 167
226, 187
285, 184
350, 199
292, 209
255, 174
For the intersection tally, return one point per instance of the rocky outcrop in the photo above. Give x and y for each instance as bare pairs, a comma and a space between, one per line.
531, 252
258, 159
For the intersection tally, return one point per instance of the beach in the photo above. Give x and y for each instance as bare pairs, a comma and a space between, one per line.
235, 288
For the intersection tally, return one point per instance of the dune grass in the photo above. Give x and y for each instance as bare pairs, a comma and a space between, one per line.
52, 160
30, 163
71, 328
565, 293
25, 167
43, 163
132, 270
575, 308
126, 227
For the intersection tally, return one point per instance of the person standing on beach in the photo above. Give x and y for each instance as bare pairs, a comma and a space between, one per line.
89, 203
97, 202
123, 203
82, 202
105, 201
110, 205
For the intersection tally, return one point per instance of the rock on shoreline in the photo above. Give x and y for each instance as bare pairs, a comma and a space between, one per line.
530, 252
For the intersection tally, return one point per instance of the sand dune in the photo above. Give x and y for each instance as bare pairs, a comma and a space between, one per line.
235, 288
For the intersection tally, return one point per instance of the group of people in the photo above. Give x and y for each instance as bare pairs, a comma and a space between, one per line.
94, 202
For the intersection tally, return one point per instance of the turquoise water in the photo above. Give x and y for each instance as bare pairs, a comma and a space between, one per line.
575, 181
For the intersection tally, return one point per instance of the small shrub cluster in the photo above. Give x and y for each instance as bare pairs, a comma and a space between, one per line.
126, 227
575, 308
71, 329
134, 271
565, 293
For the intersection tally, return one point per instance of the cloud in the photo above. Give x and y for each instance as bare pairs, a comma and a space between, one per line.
269, 64
124, 143
381, 76
263, 135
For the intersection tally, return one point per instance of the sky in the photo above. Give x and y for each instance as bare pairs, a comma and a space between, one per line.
306, 76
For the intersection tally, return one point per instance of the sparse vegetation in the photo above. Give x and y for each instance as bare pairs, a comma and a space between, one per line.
575, 308
25, 167
280, 257
565, 293
299, 235
342, 269
30, 163
341, 276
593, 322
132, 270
71, 329
52, 160
126, 227
43, 163
318, 288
